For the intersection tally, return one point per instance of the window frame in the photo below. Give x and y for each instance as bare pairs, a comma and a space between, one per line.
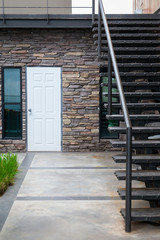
3, 102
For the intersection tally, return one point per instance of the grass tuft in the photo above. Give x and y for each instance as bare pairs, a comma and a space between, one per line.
8, 169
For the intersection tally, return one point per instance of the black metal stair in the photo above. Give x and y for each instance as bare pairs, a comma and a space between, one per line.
136, 45
151, 117
143, 214
148, 194
139, 159
135, 58
137, 143
140, 175
136, 94
139, 129
131, 43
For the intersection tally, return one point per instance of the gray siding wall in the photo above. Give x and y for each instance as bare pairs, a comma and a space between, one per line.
9, 4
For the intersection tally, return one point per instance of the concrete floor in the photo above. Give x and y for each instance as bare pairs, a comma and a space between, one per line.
68, 196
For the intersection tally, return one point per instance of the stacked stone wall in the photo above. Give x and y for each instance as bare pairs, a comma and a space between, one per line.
74, 51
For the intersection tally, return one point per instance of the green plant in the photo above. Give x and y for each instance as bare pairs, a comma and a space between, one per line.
8, 169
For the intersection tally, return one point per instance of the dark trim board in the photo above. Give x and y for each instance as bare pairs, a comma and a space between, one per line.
63, 20
46, 21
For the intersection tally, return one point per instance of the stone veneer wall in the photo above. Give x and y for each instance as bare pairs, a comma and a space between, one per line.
74, 51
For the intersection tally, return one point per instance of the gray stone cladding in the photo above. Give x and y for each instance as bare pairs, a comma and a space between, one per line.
74, 51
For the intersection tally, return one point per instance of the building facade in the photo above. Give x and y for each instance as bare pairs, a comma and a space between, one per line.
36, 7
49, 91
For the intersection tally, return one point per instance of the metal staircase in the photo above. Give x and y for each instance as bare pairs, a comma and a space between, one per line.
134, 40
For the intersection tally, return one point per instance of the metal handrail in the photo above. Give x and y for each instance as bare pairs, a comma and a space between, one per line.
112, 60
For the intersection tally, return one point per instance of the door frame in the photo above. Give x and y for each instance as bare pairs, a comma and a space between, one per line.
26, 105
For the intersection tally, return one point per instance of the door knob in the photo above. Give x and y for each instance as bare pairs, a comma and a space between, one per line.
30, 110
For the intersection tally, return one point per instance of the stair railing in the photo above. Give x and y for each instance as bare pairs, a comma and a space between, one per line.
113, 63
93, 11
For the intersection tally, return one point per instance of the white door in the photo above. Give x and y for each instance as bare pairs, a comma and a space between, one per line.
44, 108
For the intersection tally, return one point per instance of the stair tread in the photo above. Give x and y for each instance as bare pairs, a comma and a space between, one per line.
129, 35
131, 65
137, 143
130, 22
135, 129
132, 74
146, 157
141, 49
137, 105
135, 84
143, 214
147, 56
138, 159
125, 27
139, 175
136, 116
141, 193
136, 41
135, 94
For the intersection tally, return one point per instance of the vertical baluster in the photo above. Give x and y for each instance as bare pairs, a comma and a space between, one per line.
93, 11
47, 13
99, 29
3, 11
109, 83
128, 179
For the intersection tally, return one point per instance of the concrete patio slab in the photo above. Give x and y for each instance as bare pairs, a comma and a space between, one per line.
66, 220
21, 157
68, 182
72, 159
71, 182
64, 196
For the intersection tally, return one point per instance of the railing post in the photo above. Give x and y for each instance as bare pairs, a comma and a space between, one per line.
93, 11
3, 12
128, 179
99, 29
47, 13
109, 111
